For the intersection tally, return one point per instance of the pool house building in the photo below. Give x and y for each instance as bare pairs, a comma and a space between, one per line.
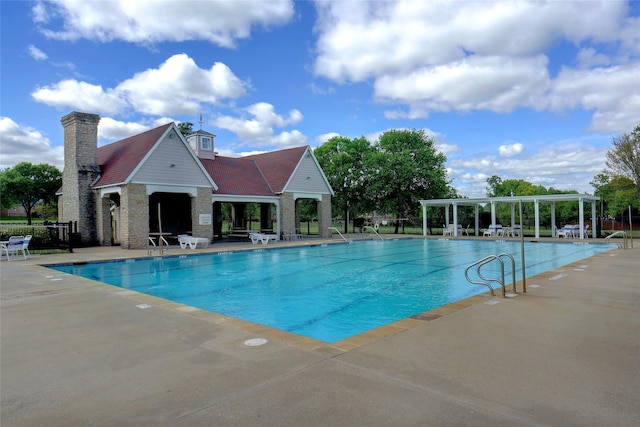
124, 191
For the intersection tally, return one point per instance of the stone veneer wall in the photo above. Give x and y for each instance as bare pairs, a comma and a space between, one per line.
80, 171
203, 204
324, 216
287, 213
103, 219
134, 216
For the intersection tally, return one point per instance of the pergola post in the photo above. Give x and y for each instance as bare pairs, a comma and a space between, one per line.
581, 217
553, 219
477, 218
424, 218
493, 213
455, 219
593, 219
536, 204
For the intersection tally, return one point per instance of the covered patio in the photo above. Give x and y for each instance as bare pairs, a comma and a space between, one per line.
551, 199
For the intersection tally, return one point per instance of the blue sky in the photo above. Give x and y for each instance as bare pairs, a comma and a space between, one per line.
523, 90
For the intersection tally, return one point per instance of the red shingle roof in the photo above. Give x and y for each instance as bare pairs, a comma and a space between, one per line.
117, 160
257, 175
237, 176
278, 166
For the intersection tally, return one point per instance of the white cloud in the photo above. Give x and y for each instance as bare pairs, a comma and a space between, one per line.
564, 166
177, 87
36, 53
471, 84
588, 57
321, 139
22, 143
510, 150
260, 128
463, 56
613, 94
80, 96
359, 40
112, 130
150, 21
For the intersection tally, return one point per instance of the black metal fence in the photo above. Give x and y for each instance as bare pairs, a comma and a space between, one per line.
45, 236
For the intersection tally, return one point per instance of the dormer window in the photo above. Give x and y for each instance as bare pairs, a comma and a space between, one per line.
205, 143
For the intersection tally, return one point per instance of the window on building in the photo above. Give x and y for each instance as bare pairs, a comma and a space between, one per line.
205, 143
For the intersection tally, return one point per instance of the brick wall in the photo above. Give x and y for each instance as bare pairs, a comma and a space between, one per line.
80, 171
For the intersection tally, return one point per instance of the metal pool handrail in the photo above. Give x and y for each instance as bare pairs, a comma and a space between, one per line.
485, 280
374, 230
338, 231
624, 238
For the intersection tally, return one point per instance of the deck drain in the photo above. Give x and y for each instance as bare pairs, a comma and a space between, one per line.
143, 306
492, 302
255, 342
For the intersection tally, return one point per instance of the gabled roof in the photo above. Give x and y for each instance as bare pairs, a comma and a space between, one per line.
278, 166
265, 174
118, 159
237, 176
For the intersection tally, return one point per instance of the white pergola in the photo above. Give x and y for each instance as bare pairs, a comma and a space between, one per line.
513, 200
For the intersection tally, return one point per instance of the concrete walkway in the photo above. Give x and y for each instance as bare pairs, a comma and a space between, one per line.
77, 353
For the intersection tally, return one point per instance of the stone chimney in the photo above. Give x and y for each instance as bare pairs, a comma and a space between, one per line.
80, 171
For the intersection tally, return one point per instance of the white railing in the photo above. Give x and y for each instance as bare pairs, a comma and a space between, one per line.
374, 230
338, 231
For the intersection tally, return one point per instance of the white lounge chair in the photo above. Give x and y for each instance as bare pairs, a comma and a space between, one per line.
585, 234
14, 245
447, 230
493, 231
27, 240
193, 242
262, 237
569, 230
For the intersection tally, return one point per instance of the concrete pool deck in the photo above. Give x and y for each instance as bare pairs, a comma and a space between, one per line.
75, 353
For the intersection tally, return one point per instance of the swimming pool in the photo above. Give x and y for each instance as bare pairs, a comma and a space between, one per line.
327, 292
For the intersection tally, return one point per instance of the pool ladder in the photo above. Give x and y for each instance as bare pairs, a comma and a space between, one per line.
624, 239
372, 229
485, 280
338, 231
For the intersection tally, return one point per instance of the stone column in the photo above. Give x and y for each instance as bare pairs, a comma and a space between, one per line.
134, 216
288, 213
202, 204
103, 215
324, 216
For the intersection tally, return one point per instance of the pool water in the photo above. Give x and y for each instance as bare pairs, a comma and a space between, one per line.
329, 292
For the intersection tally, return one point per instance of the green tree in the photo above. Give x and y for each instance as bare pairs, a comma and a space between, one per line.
497, 187
405, 168
185, 128
618, 193
623, 159
344, 162
28, 184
